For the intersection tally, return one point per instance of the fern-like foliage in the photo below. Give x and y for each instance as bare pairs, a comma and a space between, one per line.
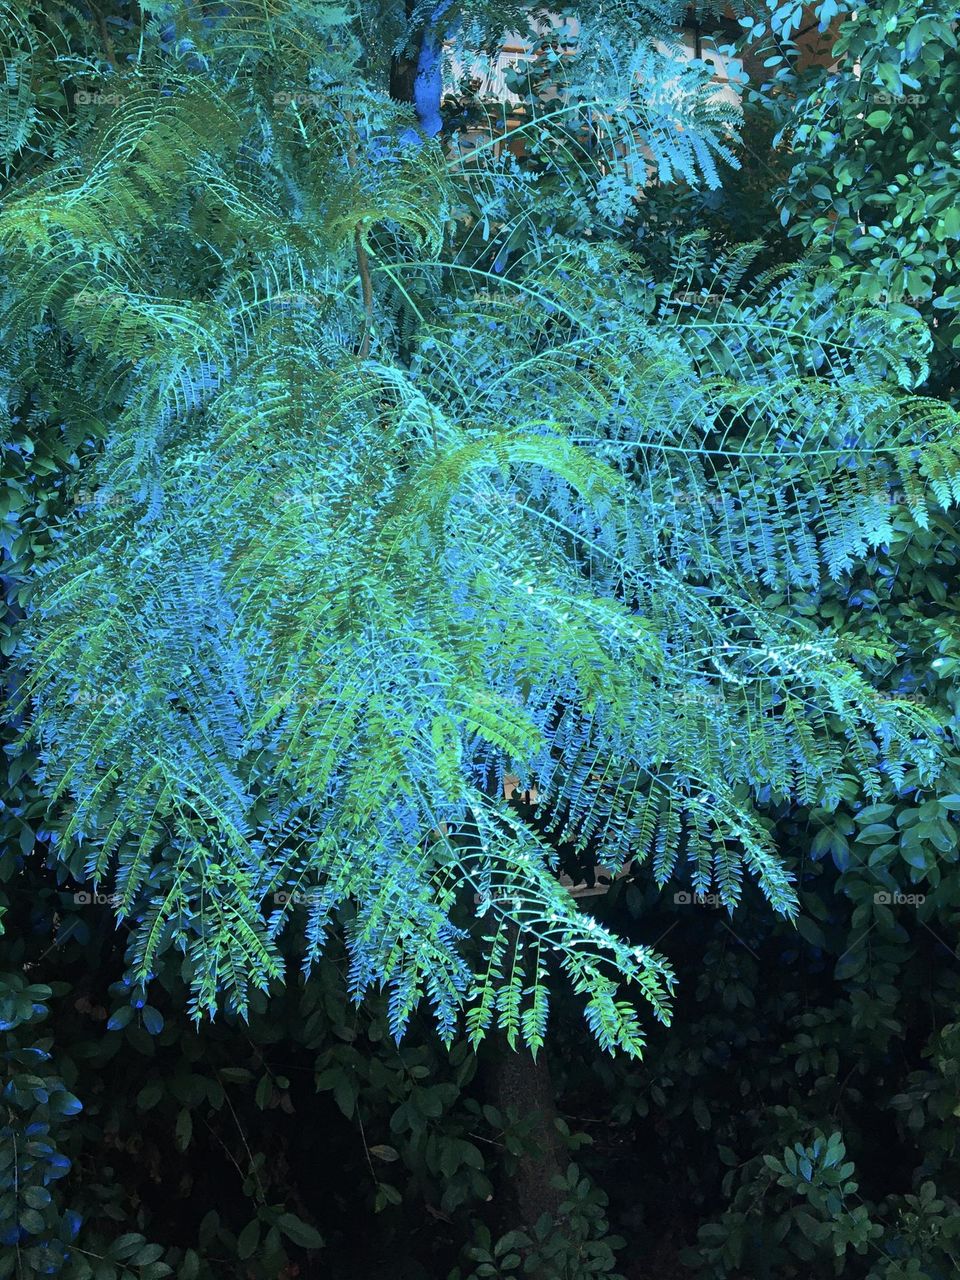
320, 598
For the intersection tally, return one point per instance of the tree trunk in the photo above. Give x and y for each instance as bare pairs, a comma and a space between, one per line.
403, 70
523, 1086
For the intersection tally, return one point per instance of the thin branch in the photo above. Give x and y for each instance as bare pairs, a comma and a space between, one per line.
363, 266
243, 1139
105, 36
363, 262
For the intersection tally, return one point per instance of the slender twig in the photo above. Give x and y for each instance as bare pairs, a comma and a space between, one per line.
489, 1141
229, 1154
243, 1139
366, 1149
16, 1197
